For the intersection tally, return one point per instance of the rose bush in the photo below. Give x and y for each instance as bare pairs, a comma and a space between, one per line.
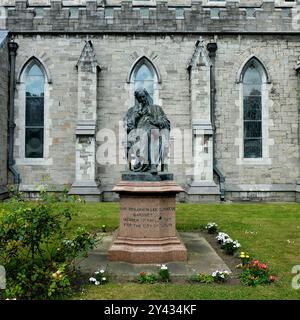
37, 249
256, 273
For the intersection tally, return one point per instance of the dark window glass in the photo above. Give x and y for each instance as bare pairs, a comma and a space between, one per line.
144, 79
34, 140
34, 111
252, 148
34, 122
252, 113
252, 129
252, 108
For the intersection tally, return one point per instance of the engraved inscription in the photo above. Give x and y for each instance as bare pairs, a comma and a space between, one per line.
147, 218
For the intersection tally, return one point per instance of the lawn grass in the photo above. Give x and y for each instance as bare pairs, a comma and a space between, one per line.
269, 232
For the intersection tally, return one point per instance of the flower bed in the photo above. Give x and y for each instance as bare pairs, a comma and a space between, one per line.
253, 271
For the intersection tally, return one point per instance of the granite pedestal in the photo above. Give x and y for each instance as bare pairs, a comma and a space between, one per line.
147, 230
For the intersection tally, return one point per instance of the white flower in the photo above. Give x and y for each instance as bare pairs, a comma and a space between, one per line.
97, 272
92, 279
163, 267
101, 271
214, 274
211, 225
222, 237
236, 244
103, 279
97, 283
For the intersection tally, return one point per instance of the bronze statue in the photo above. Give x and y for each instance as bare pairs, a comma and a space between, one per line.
148, 131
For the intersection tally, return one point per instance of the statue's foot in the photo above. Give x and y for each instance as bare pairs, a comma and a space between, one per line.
153, 169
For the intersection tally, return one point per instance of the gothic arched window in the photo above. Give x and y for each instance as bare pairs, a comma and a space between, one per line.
34, 111
143, 74
252, 106
144, 78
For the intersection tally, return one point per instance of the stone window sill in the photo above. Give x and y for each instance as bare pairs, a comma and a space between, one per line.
254, 161
34, 162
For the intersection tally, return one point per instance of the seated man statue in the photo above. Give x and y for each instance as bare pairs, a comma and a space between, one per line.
148, 130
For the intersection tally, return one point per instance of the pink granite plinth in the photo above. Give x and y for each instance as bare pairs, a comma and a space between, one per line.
147, 230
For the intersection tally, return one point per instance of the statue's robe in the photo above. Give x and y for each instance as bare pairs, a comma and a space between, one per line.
153, 130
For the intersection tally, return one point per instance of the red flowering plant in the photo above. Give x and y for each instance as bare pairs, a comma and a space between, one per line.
256, 273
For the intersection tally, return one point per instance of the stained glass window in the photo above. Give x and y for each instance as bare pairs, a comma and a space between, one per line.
144, 79
34, 113
252, 84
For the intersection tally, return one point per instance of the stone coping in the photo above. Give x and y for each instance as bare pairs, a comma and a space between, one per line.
147, 187
195, 18
146, 176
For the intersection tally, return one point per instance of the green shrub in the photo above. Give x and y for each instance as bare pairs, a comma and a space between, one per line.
212, 227
36, 250
44, 195
14, 193
145, 277
52, 197
164, 273
202, 278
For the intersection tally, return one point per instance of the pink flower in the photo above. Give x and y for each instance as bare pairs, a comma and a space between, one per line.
263, 266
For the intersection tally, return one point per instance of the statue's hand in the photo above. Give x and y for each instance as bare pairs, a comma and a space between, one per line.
146, 111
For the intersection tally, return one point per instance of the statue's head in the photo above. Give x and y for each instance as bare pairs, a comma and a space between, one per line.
142, 96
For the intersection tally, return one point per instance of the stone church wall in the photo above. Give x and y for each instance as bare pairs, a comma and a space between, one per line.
116, 55
57, 40
278, 172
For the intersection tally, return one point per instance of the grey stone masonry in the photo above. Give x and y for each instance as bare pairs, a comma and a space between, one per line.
125, 18
200, 85
85, 170
3, 111
298, 98
275, 175
202, 94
